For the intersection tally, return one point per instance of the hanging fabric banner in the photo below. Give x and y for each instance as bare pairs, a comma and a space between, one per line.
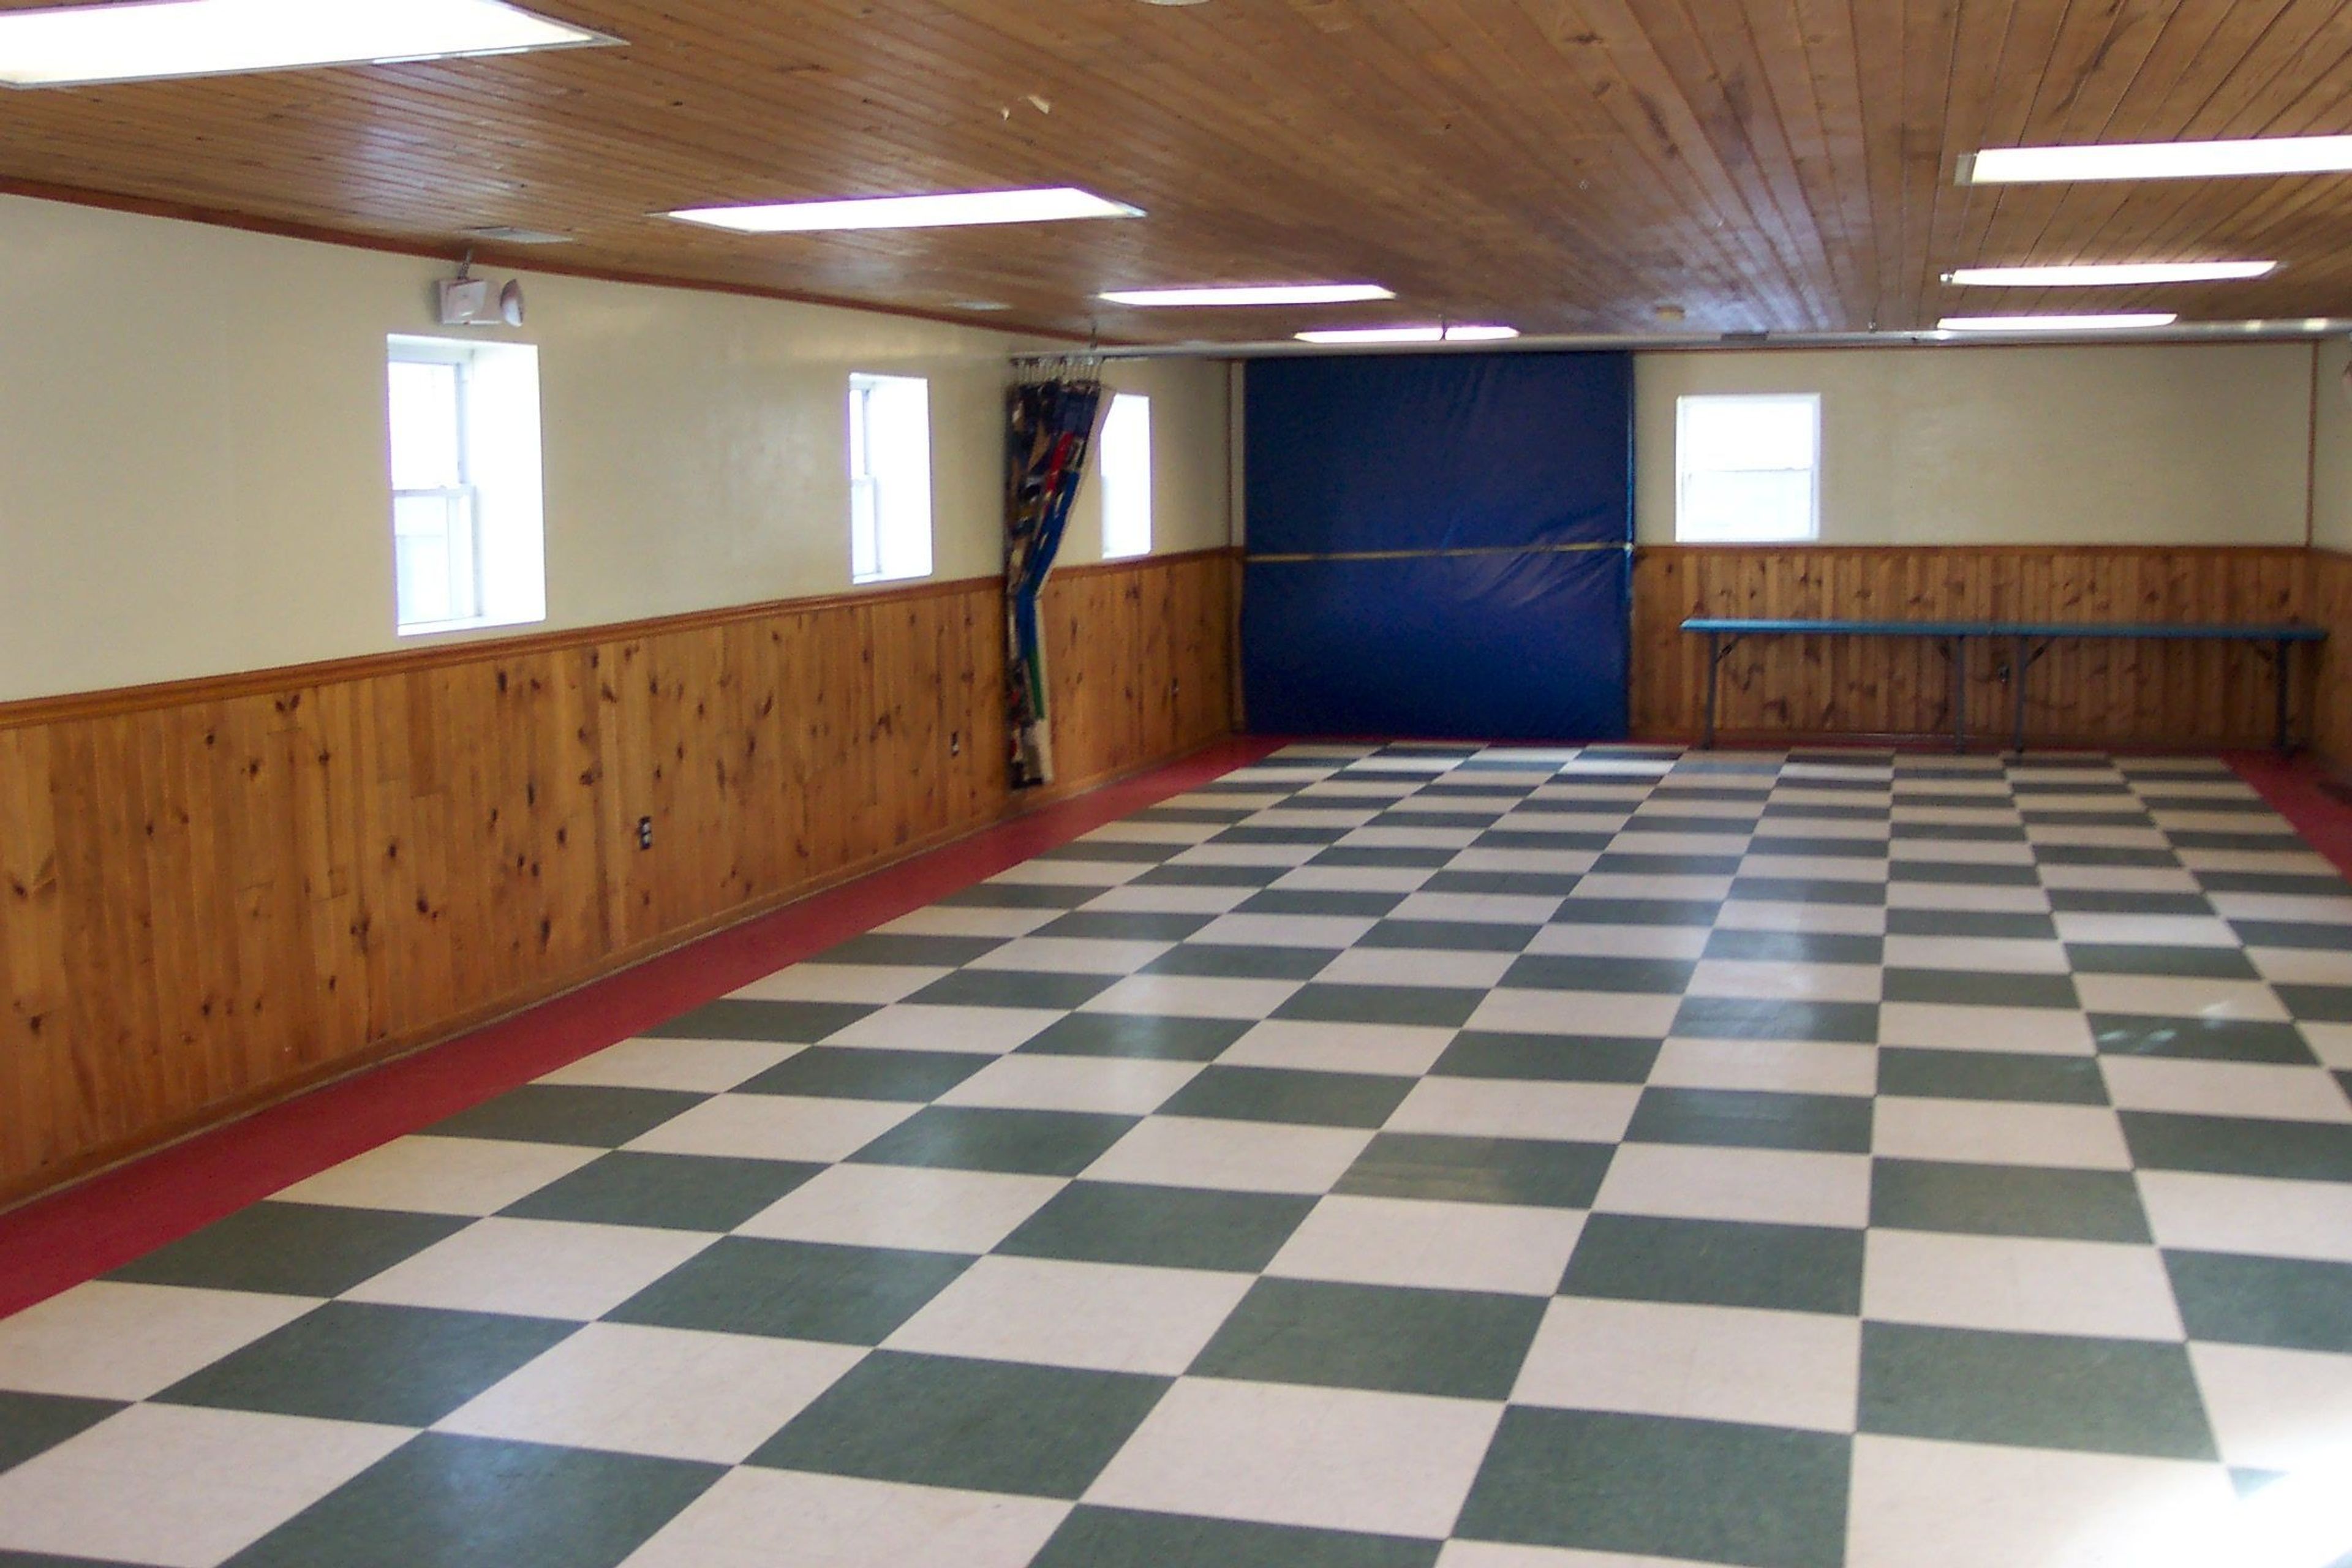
1051, 426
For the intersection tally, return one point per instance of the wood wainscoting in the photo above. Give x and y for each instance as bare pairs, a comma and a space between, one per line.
2331, 710
1776, 689
216, 892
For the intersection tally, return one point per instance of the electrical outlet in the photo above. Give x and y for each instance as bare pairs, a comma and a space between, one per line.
645, 833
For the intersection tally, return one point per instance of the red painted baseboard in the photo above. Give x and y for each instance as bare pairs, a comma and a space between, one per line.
2298, 789
58, 1241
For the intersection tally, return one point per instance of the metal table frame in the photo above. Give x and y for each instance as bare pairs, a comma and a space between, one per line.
2030, 640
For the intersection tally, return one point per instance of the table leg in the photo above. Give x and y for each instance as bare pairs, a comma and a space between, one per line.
1960, 694
2018, 664
1714, 664
2282, 673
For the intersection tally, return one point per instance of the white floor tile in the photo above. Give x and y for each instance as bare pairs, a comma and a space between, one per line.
1593, 939
2019, 1285
1171, 899
180, 1486
533, 1269
1987, 900
2224, 1089
1625, 1014
1327, 931
110, 1340
421, 1174
2279, 1409
913, 1207
774, 1127
674, 1393
1773, 1185
1510, 1107
2000, 1133
1785, 981
1057, 1312
1127, 1086
787, 1518
1071, 955
1797, 1066
1193, 996
1772, 914
1441, 1245
2033, 1031
1417, 966
957, 920
2172, 930
1398, 1050
2201, 1213
2178, 996
1240, 1156
1997, 953
915, 1026
699, 1067
1706, 1363
2303, 965
1337, 1459
875, 983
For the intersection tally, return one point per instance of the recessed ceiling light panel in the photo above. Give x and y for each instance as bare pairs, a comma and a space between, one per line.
84, 46
2160, 160
1215, 294
2108, 276
953, 209
1468, 334
2117, 322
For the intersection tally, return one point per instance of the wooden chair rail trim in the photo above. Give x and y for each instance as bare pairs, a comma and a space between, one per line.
2282, 551
119, 701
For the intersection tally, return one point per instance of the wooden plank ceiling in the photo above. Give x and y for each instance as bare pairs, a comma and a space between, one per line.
1567, 166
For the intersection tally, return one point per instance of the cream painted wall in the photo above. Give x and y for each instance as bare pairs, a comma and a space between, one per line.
192, 447
1189, 499
1942, 445
2331, 451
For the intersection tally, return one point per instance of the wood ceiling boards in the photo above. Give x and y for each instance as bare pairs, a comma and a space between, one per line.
1565, 166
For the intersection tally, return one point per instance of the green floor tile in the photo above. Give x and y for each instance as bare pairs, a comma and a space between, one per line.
674, 1192
2032, 1390
1347, 904
1689, 1490
940, 1421
912, 950
2159, 959
33, 1423
1996, 924
1352, 858
1447, 1169
2202, 1039
1012, 988
1227, 961
971, 1138
1974, 987
291, 1249
1505, 884
2006, 1200
1283, 1094
1137, 1035
1793, 947
1122, 1538
2288, 1303
1450, 936
1559, 972
588, 1116
1430, 1007
1752, 1018
1721, 1263
2132, 901
1638, 911
793, 1290
1196, 876
1580, 1058
1808, 891
1990, 1075
1620, 863
790, 1023
1167, 1227
2317, 1003
2238, 1146
350, 1361
1746, 1119
1109, 925
851, 1073
1963, 873
1460, 1343
442, 1501
1021, 896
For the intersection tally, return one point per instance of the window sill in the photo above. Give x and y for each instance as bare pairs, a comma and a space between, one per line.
479, 623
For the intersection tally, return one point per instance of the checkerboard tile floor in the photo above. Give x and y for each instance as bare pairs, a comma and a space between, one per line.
1400, 1155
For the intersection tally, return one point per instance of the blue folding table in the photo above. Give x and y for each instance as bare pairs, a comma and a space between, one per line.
2032, 639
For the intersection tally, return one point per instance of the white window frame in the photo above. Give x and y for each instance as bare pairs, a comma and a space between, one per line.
882, 489
495, 520
1126, 495
1686, 467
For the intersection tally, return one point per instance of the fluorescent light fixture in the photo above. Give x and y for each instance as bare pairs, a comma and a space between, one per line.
2108, 276
953, 209
2121, 321
1251, 294
2159, 160
82, 46
1409, 335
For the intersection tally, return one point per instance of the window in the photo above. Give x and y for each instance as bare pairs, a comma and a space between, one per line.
1127, 476
468, 538
889, 477
1747, 469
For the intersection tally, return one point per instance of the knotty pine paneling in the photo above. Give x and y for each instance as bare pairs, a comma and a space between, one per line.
2093, 694
213, 893
2330, 606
